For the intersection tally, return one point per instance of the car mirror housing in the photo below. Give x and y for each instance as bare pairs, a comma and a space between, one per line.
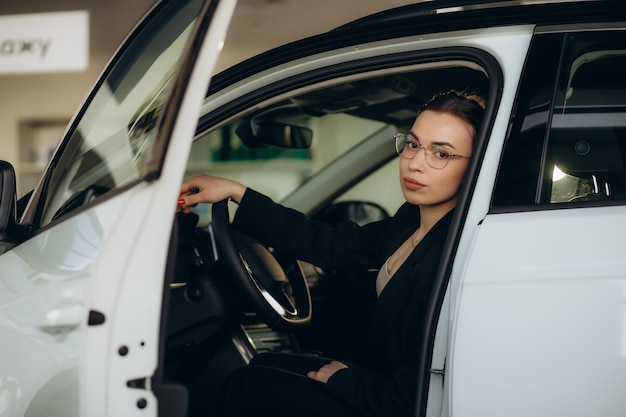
9, 229
8, 196
265, 133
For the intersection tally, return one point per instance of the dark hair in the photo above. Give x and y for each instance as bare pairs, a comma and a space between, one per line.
468, 107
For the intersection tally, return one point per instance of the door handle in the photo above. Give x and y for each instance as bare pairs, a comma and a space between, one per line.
62, 320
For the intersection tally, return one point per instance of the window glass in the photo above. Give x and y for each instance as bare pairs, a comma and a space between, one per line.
278, 171
274, 171
381, 187
588, 129
519, 174
112, 144
568, 133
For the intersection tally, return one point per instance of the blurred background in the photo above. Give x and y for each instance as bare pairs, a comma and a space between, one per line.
35, 106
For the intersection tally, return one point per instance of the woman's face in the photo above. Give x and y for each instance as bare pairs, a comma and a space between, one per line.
429, 187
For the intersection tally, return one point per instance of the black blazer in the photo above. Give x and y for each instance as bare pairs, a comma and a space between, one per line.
390, 388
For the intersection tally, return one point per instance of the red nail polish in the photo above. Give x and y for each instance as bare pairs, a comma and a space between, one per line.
181, 201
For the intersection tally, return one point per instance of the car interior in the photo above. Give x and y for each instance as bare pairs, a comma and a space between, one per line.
219, 315
218, 321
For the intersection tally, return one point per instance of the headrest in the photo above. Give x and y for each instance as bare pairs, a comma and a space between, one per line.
585, 153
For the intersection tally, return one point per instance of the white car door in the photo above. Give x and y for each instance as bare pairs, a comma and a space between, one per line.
538, 324
80, 298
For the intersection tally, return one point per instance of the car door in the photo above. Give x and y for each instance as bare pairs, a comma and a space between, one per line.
80, 296
539, 305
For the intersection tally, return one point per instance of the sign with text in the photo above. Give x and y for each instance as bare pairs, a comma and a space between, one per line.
44, 42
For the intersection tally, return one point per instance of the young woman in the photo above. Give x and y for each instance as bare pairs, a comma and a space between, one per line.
406, 247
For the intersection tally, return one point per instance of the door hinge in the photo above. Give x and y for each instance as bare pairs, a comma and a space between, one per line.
437, 371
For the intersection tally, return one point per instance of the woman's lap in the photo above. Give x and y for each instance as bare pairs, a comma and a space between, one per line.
291, 362
276, 385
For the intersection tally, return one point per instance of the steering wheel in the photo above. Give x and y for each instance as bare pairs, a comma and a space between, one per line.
279, 294
84, 196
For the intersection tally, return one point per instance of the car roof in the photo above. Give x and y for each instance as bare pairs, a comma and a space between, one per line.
489, 10
429, 17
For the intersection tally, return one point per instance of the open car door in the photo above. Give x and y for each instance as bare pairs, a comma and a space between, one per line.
84, 283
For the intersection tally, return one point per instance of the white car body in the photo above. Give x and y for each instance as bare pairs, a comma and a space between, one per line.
533, 319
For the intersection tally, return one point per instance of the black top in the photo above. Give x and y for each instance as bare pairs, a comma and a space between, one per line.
391, 388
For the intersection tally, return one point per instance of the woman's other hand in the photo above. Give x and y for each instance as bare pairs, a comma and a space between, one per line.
325, 372
208, 189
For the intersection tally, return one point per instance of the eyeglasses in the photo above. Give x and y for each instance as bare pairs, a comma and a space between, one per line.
435, 156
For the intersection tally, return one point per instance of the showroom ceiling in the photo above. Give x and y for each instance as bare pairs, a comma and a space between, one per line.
261, 24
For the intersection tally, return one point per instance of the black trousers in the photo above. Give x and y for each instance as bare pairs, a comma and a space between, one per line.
275, 384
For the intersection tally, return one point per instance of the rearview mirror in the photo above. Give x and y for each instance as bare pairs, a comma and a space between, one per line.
259, 134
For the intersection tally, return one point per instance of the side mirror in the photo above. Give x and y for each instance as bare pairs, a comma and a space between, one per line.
258, 134
360, 212
9, 229
8, 196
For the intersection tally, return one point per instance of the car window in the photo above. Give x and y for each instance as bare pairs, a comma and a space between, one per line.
111, 145
568, 137
588, 130
277, 171
381, 187
274, 171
